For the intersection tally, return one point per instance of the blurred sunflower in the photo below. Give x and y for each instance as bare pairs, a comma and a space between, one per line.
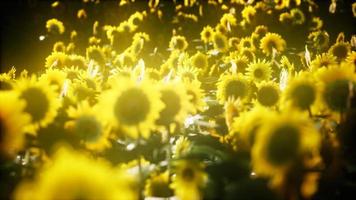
206, 34
178, 42
319, 39
196, 95
134, 106
56, 59
232, 86
281, 141
220, 42
85, 124
59, 47
247, 43
42, 101
187, 73
189, 179
55, 26
259, 70
351, 58
323, 60
96, 53
298, 16
200, 61
340, 50
248, 13
54, 77
181, 147
271, 42
268, 94
157, 185
12, 123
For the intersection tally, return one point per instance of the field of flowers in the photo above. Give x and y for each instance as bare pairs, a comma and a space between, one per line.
184, 99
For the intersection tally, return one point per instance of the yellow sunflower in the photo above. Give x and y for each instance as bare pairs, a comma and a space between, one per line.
323, 60
187, 73
317, 23
234, 86
246, 43
157, 185
59, 47
220, 42
248, 13
259, 70
320, 39
282, 140
200, 61
189, 179
340, 50
72, 175
181, 147
271, 42
206, 34
56, 59
85, 124
134, 106
178, 42
298, 16
54, 77
351, 58
268, 94
96, 53
196, 95
12, 123
55, 26
42, 101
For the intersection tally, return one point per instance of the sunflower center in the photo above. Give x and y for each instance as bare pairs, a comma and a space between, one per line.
236, 89
220, 43
303, 96
88, 128
179, 44
340, 51
200, 62
188, 174
172, 104
207, 34
283, 145
37, 103
132, 107
336, 94
267, 96
271, 45
258, 73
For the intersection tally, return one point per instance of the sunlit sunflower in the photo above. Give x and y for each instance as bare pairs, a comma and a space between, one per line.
181, 147
302, 91
196, 95
189, 179
298, 16
176, 104
261, 30
136, 18
244, 128
59, 47
351, 58
340, 50
259, 70
316, 24
337, 81
220, 42
56, 59
187, 73
72, 175
320, 39
74, 60
268, 94
200, 61
286, 18
178, 42
206, 34
219, 28
281, 141
228, 19
323, 60
12, 123
131, 105
85, 123
96, 53
248, 13
54, 77
246, 43
55, 26
41, 100
234, 43
232, 86
157, 185
271, 42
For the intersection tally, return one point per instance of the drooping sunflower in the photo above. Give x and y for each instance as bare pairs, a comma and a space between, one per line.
178, 42
337, 82
196, 95
259, 70
189, 179
271, 42
85, 124
59, 47
158, 185
323, 60
298, 16
176, 104
206, 34
96, 53
12, 123
55, 26
268, 94
316, 24
302, 91
200, 61
340, 50
56, 59
42, 101
131, 105
88, 179
246, 43
248, 13
319, 39
234, 86
282, 140
220, 42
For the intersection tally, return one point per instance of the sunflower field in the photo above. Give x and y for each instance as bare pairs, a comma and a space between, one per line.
183, 99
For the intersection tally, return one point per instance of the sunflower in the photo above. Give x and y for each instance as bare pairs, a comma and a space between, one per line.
232, 86
157, 185
246, 125
206, 34
59, 47
302, 91
196, 95
55, 26
316, 24
340, 50
219, 28
187, 73
241, 63
261, 30
268, 94
176, 104
96, 53
136, 18
56, 59
259, 70
134, 106
286, 18
320, 39
298, 16
88, 179
181, 147
246, 43
228, 19
85, 124
200, 61
271, 42
220, 42
234, 43
281, 141
248, 13
323, 60
188, 180
12, 123
178, 42
351, 58
42, 101
54, 77
74, 60
336, 85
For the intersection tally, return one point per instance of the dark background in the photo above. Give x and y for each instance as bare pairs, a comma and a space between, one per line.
23, 21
